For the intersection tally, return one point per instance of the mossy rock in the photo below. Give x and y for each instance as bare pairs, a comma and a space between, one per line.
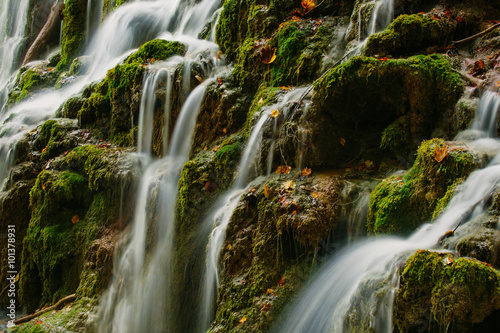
274, 225
114, 103
409, 34
53, 139
355, 102
31, 79
70, 238
439, 292
156, 49
73, 32
399, 205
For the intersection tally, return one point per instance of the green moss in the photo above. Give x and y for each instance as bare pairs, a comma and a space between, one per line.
357, 100
29, 80
71, 206
445, 293
408, 34
157, 49
445, 200
53, 140
400, 204
73, 32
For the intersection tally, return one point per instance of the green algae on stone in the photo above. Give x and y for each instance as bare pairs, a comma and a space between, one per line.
440, 292
400, 204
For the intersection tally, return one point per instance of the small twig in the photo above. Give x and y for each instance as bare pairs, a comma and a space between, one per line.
468, 39
56, 306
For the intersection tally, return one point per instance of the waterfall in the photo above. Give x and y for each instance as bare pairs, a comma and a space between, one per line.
93, 19
13, 18
138, 298
226, 206
324, 303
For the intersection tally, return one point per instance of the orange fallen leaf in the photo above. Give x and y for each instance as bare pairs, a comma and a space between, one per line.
283, 169
224, 131
306, 172
219, 81
342, 141
440, 153
498, 84
459, 19
229, 247
75, 219
308, 5
294, 212
266, 191
281, 282
44, 149
383, 59
275, 114
38, 322
315, 195
268, 55
285, 87
198, 78
242, 320
216, 149
206, 148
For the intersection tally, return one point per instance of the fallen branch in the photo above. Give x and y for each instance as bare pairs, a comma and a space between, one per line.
468, 39
56, 306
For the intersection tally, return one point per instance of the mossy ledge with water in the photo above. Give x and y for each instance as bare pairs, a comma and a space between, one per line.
72, 186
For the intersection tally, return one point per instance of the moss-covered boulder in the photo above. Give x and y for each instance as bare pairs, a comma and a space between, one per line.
73, 32
30, 79
409, 34
355, 102
114, 103
75, 210
401, 203
439, 292
273, 225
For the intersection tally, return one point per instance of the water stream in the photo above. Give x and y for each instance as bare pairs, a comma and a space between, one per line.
323, 305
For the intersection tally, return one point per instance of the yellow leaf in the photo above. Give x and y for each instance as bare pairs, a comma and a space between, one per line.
229, 247
308, 5
199, 78
289, 184
75, 219
242, 320
275, 114
44, 149
269, 291
262, 101
268, 55
368, 163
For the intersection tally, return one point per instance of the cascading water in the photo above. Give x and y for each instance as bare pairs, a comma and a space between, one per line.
324, 304
14, 16
226, 206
